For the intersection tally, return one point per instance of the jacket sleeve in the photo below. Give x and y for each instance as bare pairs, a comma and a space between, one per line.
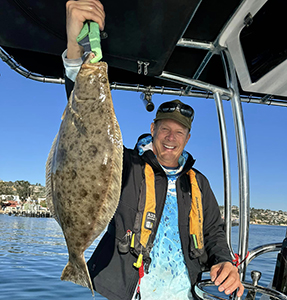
69, 85
214, 235
126, 166
72, 67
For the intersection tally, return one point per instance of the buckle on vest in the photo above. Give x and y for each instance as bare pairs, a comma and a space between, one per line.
125, 242
139, 261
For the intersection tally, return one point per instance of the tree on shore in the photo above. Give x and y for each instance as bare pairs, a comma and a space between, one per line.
43, 203
23, 189
5, 189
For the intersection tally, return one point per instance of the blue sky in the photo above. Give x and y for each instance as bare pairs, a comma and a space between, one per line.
30, 116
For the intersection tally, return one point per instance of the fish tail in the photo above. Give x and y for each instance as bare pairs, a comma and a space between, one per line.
77, 272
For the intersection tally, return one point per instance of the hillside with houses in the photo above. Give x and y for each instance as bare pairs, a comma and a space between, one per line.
260, 216
22, 196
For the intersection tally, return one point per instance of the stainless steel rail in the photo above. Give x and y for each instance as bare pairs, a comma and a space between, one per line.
226, 168
194, 93
244, 194
261, 250
132, 87
13, 65
196, 83
189, 43
201, 293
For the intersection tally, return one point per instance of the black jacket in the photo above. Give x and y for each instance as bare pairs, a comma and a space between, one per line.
113, 273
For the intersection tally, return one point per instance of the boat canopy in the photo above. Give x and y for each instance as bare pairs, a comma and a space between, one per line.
162, 44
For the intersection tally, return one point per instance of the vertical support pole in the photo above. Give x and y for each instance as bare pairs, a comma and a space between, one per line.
226, 168
244, 194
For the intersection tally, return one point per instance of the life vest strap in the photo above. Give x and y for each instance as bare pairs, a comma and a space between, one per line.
140, 243
196, 213
150, 204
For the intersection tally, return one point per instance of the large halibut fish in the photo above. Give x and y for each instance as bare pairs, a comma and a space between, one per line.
84, 167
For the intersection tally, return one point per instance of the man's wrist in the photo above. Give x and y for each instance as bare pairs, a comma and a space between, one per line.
74, 51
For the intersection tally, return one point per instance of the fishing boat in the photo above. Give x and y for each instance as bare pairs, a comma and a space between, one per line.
232, 50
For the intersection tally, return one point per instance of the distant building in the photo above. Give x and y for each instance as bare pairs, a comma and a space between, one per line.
11, 206
14, 197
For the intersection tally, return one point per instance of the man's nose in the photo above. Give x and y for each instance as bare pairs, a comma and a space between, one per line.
171, 136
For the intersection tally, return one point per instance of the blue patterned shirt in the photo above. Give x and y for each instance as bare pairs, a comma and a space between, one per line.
168, 275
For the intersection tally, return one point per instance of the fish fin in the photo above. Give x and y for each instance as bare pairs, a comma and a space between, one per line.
77, 271
78, 123
64, 113
76, 118
49, 189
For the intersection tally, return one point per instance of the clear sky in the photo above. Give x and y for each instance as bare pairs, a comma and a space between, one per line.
30, 116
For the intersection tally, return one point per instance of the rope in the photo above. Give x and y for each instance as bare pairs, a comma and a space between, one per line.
236, 261
141, 275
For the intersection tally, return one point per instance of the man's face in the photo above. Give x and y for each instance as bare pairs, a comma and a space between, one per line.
169, 140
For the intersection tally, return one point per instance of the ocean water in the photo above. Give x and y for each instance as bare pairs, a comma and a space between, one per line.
33, 254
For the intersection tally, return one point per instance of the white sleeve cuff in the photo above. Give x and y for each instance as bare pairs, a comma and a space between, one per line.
72, 66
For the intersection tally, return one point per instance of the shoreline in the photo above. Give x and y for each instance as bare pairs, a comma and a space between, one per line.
251, 223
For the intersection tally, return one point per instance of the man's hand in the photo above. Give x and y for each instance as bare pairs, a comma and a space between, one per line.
77, 12
225, 275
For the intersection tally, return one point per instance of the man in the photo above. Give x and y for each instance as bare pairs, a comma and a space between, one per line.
167, 221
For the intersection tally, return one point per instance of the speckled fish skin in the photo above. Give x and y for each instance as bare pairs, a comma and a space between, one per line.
85, 167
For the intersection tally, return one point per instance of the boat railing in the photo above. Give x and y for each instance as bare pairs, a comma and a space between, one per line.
202, 293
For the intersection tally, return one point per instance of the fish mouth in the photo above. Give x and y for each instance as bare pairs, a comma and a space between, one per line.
88, 58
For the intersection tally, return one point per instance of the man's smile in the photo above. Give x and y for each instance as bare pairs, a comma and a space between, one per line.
169, 147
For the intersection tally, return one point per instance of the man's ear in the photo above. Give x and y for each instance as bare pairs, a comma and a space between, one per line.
152, 129
187, 139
